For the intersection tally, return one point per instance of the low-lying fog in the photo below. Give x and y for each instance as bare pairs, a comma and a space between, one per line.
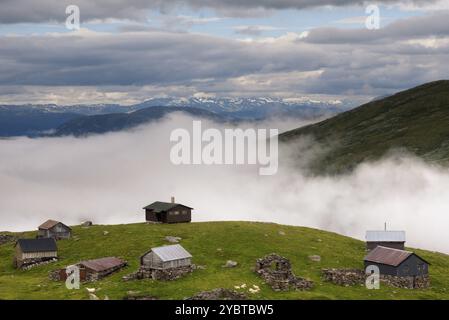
109, 178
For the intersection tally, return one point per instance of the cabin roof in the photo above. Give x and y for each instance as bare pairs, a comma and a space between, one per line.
389, 256
102, 264
50, 224
37, 245
172, 252
159, 206
385, 236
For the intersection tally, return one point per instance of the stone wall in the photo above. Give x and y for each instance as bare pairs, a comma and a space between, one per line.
276, 271
351, 277
31, 263
219, 294
160, 274
5, 238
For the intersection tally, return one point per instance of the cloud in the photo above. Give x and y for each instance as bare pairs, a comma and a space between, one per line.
254, 30
25, 11
109, 178
432, 25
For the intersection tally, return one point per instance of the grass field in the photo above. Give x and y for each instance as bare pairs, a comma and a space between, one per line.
211, 244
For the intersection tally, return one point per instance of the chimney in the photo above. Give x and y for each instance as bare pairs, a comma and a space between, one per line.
172, 199
385, 226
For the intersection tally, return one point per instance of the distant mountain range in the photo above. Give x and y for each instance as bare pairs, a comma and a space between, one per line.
415, 120
36, 120
98, 124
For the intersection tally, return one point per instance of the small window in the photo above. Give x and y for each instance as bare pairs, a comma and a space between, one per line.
184, 211
176, 213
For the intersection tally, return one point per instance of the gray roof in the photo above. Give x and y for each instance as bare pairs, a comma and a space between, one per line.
37, 245
170, 253
159, 206
385, 236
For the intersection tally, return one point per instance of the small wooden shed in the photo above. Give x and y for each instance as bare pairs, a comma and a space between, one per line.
166, 257
168, 212
396, 262
33, 251
54, 229
385, 238
99, 268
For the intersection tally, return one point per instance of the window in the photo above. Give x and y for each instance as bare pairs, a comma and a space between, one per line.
176, 213
184, 211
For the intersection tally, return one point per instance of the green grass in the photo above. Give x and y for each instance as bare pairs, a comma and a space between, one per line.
243, 242
415, 121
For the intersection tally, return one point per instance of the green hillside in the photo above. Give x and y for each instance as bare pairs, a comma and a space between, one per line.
416, 120
211, 245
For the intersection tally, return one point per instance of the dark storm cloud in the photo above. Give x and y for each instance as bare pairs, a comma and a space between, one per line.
16, 11
142, 58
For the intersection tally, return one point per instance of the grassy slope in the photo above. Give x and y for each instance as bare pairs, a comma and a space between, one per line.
415, 120
240, 241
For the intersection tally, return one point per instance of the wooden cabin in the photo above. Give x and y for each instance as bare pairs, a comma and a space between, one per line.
166, 257
34, 251
395, 262
100, 268
92, 270
384, 238
168, 212
54, 229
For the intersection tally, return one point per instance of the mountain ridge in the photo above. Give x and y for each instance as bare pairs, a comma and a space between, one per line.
414, 120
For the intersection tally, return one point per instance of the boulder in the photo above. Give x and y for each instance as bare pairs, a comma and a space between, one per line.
173, 239
231, 264
315, 258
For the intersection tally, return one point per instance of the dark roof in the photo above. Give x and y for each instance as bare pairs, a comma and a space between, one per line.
37, 245
163, 206
103, 264
50, 224
389, 256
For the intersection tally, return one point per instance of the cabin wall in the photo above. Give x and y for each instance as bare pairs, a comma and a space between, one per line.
59, 231
150, 260
178, 215
383, 269
150, 216
394, 245
413, 266
177, 263
39, 255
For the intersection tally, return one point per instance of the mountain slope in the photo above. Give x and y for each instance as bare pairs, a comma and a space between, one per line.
98, 124
211, 246
25, 121
416, 120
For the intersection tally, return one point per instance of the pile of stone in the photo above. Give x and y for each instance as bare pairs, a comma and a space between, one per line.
36, 262
344, 277
277, 272
352, 277
5, 238
160, 274
219, 294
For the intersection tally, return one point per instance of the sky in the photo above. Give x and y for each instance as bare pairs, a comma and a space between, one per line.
129, 51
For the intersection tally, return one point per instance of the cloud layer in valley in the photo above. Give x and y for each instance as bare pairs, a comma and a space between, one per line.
109, 178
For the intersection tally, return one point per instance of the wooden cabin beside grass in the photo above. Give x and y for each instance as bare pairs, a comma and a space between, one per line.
166, 257
34, 251
54, 229
168, 212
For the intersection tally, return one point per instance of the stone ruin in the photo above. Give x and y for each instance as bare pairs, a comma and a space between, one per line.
32, 263
219, 294
352, 277
277, 272
160, 274
5, 238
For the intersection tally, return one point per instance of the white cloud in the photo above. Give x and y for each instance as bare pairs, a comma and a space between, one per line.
109, 178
